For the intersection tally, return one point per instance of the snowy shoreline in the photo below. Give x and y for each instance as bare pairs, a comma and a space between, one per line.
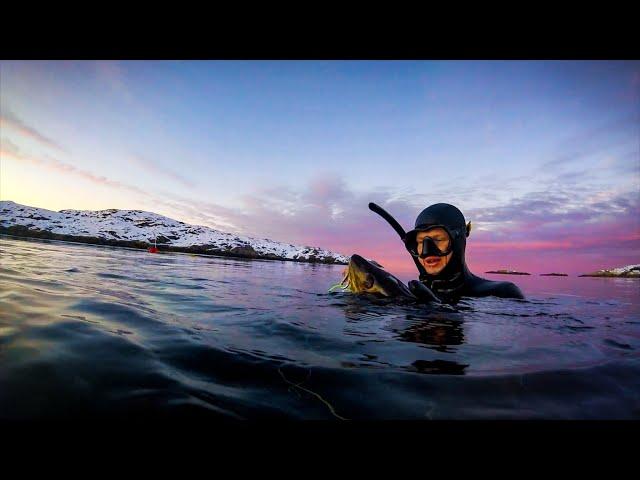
630, 271
139, 229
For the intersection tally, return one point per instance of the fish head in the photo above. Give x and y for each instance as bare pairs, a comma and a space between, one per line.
366, 276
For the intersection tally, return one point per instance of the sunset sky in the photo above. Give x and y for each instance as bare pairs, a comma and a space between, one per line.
543, 157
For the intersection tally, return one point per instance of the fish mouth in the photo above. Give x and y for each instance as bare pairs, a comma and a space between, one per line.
360, 276
350, 280
354, 270
346, 282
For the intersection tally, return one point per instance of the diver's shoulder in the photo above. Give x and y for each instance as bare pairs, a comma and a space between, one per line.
505, 289
509, 290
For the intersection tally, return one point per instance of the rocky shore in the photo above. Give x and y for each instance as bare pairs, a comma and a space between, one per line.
139, 229
630, 271
507, 272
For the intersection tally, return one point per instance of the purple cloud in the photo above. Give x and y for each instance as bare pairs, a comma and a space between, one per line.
538, 224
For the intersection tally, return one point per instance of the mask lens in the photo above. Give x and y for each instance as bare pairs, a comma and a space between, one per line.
438, 238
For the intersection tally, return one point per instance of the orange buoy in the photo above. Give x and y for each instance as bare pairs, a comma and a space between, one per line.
153, 250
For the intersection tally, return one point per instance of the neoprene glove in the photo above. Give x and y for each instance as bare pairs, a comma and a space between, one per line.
422, 292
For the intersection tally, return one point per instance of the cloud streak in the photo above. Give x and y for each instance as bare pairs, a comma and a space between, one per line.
9, 120
169, 204
11, 151
155, 168
622, 131
112, 74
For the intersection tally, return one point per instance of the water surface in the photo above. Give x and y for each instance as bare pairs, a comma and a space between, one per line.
102, 332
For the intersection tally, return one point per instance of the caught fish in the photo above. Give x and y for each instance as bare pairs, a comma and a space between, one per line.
367, 276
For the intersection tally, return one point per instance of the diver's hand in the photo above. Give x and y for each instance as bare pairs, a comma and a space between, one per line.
422, 292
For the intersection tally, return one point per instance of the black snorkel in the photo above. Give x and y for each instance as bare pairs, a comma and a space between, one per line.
400, 231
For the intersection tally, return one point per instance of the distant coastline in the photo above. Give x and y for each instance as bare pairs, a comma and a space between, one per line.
629, 271
507, 272
196, 249
141, 230
609, 275
554, 275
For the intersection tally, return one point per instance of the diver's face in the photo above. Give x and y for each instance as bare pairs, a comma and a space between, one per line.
434, 264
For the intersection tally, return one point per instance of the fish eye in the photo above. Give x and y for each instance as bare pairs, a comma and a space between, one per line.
368, 282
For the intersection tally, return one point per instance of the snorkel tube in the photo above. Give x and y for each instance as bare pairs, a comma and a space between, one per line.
399, 230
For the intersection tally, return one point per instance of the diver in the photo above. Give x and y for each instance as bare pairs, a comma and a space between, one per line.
437, 245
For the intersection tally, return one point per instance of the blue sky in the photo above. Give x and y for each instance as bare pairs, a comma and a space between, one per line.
294, 150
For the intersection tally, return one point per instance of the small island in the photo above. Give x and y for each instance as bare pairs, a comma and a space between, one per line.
554, 275
508, 272
630, 271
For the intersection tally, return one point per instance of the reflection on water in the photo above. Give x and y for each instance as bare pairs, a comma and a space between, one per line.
440, 332
90, 331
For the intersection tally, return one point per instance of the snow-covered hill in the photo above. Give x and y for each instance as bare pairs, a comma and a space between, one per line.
628, 271
138, 229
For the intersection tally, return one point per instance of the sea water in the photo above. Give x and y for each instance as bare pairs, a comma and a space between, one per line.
102, 332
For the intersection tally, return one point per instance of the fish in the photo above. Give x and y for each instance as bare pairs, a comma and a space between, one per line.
368, 276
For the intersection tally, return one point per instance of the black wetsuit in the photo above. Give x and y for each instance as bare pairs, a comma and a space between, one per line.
455, 280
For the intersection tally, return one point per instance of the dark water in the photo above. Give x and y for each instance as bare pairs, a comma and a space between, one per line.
102, 332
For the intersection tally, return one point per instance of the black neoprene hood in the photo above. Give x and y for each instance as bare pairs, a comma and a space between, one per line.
439, 215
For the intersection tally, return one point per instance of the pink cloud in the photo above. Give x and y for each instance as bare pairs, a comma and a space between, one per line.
11, 121
529, 246
10, 150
